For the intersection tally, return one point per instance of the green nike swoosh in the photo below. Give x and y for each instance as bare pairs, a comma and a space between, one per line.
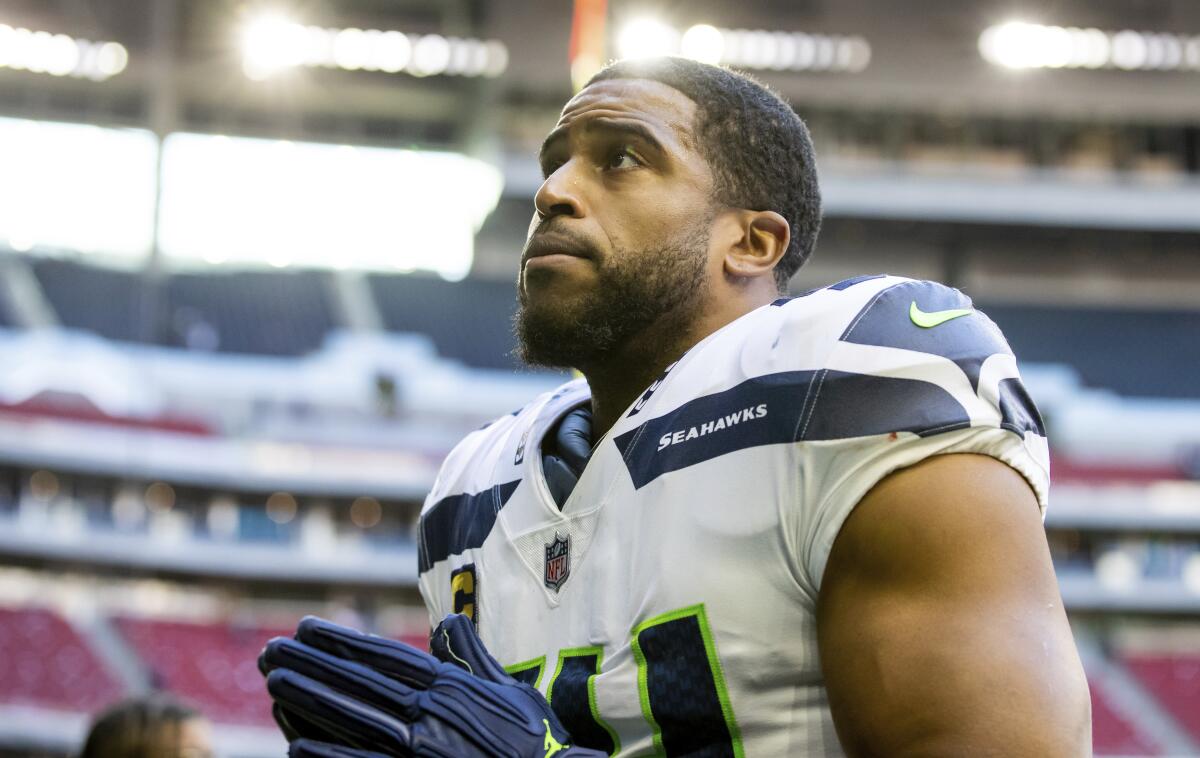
930, 320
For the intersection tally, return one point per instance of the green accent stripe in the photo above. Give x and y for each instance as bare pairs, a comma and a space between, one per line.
643, 690
563, 655
714, 664
573, 652
539, 663
595, 708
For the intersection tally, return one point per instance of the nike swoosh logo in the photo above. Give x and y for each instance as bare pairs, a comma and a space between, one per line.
930, 320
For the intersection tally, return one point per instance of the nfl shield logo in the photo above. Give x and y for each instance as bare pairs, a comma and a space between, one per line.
558, 561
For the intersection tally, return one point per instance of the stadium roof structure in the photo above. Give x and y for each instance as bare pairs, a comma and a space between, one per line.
426, 71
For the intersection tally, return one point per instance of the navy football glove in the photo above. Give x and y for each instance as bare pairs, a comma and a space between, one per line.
309, 749
343, 694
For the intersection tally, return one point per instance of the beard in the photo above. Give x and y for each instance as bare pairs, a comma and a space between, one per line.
634, 291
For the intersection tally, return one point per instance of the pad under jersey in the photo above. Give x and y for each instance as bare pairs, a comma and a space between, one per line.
668, 608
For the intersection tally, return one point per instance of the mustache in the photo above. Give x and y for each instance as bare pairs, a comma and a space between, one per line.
550, 233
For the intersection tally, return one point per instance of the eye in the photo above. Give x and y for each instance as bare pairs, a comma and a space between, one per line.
622, 158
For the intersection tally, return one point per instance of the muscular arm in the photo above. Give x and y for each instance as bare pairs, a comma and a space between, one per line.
941, 628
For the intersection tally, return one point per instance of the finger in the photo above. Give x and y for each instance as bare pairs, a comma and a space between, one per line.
348, 677
264, 667
348, 721
294, 726
455, 641
281, 720
311, 749
415, 668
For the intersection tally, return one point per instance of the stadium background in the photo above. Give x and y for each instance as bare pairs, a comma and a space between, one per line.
257, 268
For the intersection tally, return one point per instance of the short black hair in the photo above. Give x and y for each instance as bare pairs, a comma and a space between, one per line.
759, 151
130, 728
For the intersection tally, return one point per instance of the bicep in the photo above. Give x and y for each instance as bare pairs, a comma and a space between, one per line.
941, 628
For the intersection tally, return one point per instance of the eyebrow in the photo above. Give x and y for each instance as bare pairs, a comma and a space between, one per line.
631, 128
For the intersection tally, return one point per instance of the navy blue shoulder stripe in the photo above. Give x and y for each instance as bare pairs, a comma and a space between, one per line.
1018, 413
842, 285
846, 284
791, 406
967, 340
459, 522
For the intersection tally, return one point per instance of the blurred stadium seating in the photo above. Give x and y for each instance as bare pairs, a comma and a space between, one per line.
219, 672
1124, 528
106, 301
1112, 734
1173, 680
476, 331
265, 313
223, 397
250, 312
46, 663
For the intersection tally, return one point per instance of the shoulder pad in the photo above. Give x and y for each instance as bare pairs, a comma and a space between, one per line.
928, 317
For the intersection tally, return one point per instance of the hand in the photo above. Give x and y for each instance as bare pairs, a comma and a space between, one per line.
343, 694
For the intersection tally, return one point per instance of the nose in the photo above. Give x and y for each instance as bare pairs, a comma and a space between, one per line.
558, 195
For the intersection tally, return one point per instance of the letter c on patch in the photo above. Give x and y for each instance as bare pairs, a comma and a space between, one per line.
463, 587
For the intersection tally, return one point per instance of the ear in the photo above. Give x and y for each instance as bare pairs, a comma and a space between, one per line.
763, 240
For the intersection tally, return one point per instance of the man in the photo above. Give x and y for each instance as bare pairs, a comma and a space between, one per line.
153, 726
761, 526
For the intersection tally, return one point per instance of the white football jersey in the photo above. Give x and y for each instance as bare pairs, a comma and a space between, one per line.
668, 608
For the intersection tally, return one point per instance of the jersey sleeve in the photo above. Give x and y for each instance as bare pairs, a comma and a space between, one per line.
917, 372
426, 580
465, 467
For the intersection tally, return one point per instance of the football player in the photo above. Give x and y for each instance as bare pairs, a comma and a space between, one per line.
758, 526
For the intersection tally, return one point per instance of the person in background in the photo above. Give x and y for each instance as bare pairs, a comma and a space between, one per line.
152, 726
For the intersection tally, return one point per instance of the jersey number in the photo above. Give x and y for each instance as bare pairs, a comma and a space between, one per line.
464, 586
680, 685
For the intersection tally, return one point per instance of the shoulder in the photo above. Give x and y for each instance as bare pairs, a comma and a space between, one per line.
925, 317
894, 311
893, 354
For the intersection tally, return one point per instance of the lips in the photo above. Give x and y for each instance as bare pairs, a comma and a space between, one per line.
554, 244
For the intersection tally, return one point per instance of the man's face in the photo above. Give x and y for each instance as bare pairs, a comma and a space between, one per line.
187, 739
620, 238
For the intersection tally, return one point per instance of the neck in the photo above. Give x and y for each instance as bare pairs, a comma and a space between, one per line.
618, 378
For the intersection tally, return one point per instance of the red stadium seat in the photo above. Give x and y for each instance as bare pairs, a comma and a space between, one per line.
211, 664
1111, 733
1173, 678
44, 662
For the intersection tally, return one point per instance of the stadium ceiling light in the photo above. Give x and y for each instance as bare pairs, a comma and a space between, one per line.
1022, 45
793, 51
747, 48
281, 507
703, 43
366, 512
431, 56
647, 38
60, 55
272, 44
